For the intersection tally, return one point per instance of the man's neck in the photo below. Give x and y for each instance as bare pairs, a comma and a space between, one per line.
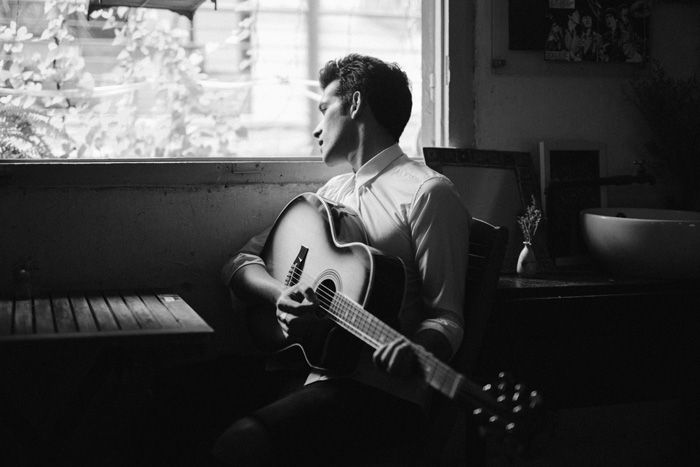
368, 148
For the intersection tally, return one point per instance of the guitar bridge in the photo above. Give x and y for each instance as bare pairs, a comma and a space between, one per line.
297, 267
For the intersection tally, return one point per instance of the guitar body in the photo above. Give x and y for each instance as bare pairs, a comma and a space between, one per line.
323, 245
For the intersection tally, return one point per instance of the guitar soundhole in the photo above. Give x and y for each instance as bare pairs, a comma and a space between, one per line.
325, 293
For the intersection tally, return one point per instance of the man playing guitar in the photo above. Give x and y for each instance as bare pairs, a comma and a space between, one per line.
408, 211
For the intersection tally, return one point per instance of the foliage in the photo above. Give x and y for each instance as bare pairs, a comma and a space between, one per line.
31, 125
26, 134
529, 221
160, 109
60, 68
671, 107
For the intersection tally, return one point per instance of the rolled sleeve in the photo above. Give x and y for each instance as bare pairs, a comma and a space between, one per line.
249, 254
440, 225
450, 325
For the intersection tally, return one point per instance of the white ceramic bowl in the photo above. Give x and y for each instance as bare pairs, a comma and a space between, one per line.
637, 242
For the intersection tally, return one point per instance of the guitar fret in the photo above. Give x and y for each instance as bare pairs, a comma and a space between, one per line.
349, 315
372, 329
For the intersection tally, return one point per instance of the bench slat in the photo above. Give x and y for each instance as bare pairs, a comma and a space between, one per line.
103, 315
5, 317
121, 312
160, 312
141, 312
181, 310
63, 315
24, 321
43, 316
84, 319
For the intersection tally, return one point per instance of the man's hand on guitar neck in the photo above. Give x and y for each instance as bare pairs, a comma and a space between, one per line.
399, 358
296, 308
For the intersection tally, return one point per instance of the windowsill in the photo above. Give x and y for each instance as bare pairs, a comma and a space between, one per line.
164, 172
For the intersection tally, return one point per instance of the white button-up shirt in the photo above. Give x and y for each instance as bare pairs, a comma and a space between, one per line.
412, 212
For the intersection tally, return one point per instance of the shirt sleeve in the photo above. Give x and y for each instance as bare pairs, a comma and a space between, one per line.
251, 251
440, 225
249, 254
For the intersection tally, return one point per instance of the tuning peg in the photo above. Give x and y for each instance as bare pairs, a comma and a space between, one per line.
505, 382
510, 427
506, 377
518, 393
518, 408
535, 400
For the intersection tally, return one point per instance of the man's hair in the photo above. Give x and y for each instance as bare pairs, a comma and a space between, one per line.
384, 86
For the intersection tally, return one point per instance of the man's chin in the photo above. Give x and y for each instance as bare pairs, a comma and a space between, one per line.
331, 160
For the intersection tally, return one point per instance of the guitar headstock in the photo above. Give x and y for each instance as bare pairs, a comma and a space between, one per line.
513, 413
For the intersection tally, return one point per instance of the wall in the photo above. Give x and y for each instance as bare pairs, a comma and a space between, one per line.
530, 100
139, 225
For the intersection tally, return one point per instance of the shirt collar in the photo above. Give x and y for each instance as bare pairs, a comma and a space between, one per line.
377, 164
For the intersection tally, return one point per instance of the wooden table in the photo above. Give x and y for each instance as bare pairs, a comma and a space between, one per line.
99, 316
83, 366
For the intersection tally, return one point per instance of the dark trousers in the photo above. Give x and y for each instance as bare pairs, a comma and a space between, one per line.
333, 422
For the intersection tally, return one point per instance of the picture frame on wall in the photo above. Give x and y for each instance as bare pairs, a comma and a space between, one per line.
597, 31
570, 175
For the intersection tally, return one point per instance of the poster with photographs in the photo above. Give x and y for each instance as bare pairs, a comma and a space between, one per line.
604, 31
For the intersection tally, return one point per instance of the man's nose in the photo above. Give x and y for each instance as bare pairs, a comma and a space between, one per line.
317, 131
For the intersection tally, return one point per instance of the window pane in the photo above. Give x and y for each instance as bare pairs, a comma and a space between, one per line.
240, 81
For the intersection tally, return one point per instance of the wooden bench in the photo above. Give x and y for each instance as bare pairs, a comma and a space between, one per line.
72, 363
101, 315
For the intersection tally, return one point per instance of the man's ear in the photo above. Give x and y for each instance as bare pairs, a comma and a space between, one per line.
356, 104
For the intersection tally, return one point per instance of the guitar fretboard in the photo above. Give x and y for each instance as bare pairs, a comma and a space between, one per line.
355, 319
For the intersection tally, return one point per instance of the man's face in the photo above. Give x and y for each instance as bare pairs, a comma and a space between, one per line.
335, 132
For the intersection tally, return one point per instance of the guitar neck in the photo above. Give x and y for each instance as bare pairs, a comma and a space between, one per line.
375, 333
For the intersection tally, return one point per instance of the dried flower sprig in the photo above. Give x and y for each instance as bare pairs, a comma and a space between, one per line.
529, 221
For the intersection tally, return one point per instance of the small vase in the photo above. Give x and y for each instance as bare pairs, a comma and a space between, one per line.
527, 263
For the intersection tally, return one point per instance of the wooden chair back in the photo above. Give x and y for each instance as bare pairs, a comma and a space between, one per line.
487, 246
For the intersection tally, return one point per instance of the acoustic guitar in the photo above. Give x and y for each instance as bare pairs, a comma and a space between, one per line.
324, 245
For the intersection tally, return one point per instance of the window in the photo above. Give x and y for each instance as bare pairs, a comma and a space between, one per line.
239, 81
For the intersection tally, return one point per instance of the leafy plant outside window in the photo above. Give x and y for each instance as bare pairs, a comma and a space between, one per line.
152, 104
238, 81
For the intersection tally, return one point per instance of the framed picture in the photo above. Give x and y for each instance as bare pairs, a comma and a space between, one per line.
600, 31
570, 175
496, 187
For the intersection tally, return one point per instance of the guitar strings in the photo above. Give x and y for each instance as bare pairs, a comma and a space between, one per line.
328, 294
377, 324
440, 373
